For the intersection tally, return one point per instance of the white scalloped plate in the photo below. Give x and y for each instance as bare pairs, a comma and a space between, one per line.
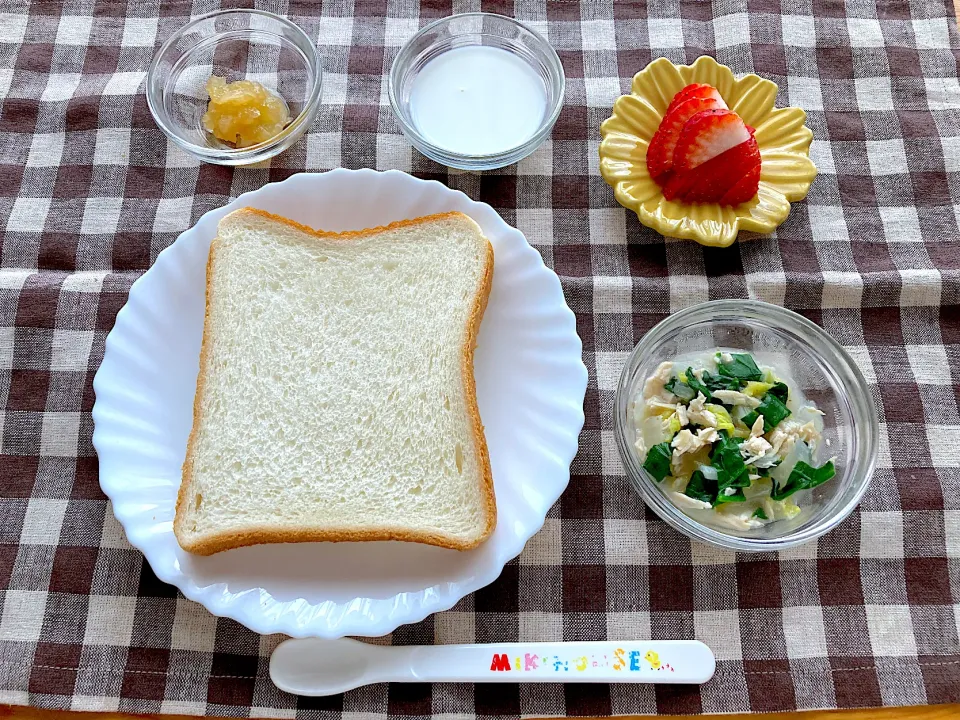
530, 387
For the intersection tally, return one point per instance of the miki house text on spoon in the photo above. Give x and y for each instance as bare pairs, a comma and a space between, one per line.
314, 666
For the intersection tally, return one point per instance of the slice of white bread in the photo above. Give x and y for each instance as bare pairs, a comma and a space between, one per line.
336, 397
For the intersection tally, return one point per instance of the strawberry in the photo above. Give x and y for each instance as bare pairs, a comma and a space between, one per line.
745, 189
661, 150
703, 92
682, 95
715, 178
706, 135
678, 184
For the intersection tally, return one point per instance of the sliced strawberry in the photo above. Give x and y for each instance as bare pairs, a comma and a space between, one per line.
678, 185
745, 190
714, 178
703, 92
660, 152
682, 95
707, 134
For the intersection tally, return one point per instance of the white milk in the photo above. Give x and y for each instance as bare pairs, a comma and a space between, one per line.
477, 100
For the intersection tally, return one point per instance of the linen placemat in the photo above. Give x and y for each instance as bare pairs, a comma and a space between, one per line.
91, 191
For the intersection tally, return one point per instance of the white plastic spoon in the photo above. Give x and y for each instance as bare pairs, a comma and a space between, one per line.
326, 667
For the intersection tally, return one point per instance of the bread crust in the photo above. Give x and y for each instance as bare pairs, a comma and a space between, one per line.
275, 534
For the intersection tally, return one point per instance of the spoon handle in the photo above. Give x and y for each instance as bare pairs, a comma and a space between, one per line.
649, 661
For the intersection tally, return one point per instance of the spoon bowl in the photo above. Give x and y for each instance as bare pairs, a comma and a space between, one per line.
327, 667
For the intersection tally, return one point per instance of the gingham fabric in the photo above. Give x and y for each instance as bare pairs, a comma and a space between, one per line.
91, 191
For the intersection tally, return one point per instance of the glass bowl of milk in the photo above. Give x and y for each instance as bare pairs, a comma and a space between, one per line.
476, 91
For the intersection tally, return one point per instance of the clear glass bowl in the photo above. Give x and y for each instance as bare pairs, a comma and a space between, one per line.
824, 372
237, 45
475, 29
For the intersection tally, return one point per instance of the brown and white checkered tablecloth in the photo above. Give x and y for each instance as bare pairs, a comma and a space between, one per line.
91, 191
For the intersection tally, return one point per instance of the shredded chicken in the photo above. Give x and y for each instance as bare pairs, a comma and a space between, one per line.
655, 404
686, 502
754, 449
757, 429
734, 397
700, 415
686, 442
735, 522
809, 434
786, 434
708, 435
653, 387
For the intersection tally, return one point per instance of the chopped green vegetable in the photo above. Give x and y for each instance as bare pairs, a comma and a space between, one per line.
657, 462
672, 425
741, 366
737, 496
757, 389
726, 458
697, 386
772, 409
701, 488
803, 477
784, 509
759, 513
717, 382
724, 421
680, 389
781, 391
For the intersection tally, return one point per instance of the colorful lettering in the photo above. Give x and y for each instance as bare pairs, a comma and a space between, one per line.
620, 659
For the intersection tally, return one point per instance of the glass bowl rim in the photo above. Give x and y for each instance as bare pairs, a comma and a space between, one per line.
253, 152
865, 421
546, 125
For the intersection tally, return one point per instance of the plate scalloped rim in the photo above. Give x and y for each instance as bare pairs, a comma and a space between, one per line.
138, 505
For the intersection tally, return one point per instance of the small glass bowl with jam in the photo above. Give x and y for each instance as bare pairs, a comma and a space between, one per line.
235, 87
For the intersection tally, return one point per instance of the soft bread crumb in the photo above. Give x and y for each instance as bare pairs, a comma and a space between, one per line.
336, 397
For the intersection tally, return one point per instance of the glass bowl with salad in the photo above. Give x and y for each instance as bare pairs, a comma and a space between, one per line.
745, 425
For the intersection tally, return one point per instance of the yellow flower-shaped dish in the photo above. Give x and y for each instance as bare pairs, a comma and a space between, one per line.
784, 141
